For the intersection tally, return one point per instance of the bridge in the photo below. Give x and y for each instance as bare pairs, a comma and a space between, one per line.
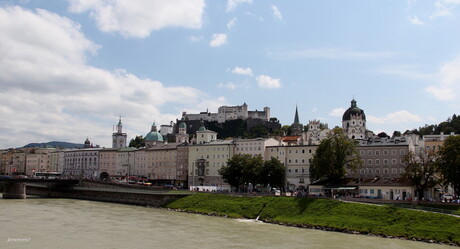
15, 188
89, 190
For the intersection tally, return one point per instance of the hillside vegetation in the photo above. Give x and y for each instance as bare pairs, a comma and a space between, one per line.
329, 215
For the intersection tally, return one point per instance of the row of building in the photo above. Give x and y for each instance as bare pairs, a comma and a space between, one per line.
195, 162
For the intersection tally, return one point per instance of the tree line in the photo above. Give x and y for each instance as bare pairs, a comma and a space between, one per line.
244, 172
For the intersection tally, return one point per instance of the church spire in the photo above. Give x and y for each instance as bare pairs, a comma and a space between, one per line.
296, 117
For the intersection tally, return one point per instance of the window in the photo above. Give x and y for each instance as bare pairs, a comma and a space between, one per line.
394, 171
296, 170
369, 171
385, 152
369, 162
393, 152
377, 161
393, 161
377, 152
377, 171
371, 191
362, 153
369, 152
385, 171
402, 152
385, 161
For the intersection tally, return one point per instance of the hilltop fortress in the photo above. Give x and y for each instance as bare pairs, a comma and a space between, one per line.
226, 113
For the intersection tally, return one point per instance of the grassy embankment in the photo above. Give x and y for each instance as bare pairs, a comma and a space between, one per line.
328, 214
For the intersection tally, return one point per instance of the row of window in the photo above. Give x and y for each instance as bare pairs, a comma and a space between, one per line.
296, 161
402, 152
378, 171
385, 161
248, 148
297, 170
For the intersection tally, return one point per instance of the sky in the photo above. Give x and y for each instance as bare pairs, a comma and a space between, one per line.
70, 69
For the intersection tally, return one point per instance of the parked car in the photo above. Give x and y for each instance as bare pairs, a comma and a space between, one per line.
447, 197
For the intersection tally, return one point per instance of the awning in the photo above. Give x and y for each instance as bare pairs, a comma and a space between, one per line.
340, 187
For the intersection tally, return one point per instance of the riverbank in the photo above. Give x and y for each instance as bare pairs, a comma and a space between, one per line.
330, 215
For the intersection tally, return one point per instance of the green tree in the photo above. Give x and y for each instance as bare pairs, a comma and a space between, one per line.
137, 142
396, 134
241, 170
258, 131
382, 135
421, 171
449, 162
334, 155
273, 173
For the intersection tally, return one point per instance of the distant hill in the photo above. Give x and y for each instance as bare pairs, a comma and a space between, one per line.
54, 144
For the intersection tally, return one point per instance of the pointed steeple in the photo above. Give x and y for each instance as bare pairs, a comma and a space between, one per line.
296, 117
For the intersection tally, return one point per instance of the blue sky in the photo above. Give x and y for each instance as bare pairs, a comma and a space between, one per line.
68, 69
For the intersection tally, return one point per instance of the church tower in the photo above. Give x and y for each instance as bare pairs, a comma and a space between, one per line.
182, 136
296, 127
118, 137
354, 122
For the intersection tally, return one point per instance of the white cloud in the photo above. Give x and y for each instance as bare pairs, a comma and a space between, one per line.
49, 92
409, 71
314, 109
231, 23
441, 93
232, 4
448, 87
218, 40
242, 71
337, 112
415, 20
229, 85
265, 81
331, 53
277, 13
194, 38
402, 116
443, 8
139, 18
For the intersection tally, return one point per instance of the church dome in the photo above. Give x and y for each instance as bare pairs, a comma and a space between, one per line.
354, 110
182, 125
153, 135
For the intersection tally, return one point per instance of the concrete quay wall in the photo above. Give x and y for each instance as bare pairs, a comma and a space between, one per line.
134, 198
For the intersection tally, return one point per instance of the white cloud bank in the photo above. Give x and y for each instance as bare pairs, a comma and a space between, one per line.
231, 23
337, 112
49, 92
242, 71
448, 87
218, 40
265, 81
139, 18
397, 117
331, 53
232, 4
276, 12
415, 20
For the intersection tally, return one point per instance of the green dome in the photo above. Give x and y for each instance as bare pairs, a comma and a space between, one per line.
202, 128
153, 136
182, 125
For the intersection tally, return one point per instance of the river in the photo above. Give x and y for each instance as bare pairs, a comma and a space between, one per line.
68, 224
